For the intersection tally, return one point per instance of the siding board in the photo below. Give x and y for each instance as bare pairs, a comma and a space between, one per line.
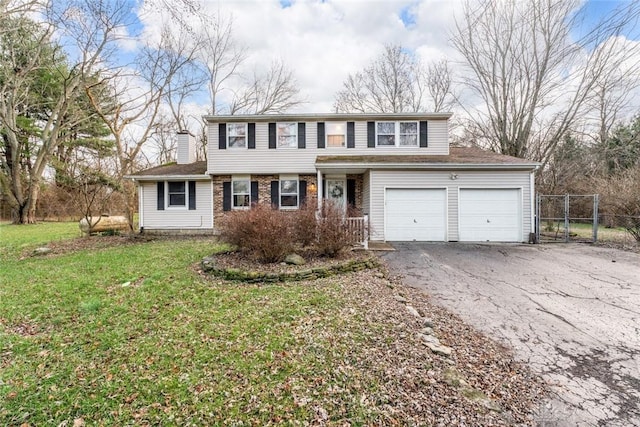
200, 218
265, 161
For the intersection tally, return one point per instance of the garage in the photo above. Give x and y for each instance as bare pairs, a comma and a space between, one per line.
490, 215
415, 214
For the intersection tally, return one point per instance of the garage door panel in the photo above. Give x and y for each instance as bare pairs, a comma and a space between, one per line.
490, 215
415, 214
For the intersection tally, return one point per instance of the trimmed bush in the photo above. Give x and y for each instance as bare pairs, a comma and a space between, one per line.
305, 224
262, 233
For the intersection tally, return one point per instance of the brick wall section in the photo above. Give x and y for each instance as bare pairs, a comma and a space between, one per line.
264, 190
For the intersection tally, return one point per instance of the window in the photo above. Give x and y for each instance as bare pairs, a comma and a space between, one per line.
287, 135
177, 192
386, 132
401, 134
336, 132
408, 134
289, 193
241, 194
237, 135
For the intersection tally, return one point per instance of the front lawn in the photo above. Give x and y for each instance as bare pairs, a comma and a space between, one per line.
134, 334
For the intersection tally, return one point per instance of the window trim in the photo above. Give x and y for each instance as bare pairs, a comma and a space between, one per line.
167, 196
246, 136
294, 136
327, 126
281, 193
235, 179
397, 134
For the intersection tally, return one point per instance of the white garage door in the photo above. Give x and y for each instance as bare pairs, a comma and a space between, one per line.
490, 215
415, 214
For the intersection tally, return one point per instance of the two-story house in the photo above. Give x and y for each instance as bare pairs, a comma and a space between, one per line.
398, 169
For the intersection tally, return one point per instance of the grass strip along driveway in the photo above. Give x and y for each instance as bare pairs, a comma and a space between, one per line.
117, 331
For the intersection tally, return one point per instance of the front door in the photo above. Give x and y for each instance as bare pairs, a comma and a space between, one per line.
337, 192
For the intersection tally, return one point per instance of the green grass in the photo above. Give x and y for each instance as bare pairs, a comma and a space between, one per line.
134, 335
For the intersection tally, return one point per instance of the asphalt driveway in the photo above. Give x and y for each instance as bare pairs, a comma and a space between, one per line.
571, 311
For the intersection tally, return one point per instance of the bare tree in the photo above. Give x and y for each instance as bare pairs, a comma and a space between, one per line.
533, 80
396, 82
31, 54
134, 116
219, 53
439, 85
273, 92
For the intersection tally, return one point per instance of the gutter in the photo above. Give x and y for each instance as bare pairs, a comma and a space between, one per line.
322, 117
168, 177
430, 166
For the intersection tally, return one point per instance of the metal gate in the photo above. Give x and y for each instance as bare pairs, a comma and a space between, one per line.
566, 218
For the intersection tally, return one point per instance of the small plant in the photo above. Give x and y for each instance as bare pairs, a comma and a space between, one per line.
263, 233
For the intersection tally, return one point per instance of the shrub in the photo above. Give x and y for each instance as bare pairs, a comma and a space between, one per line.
332, 234
305, 224
263, 233
621, 200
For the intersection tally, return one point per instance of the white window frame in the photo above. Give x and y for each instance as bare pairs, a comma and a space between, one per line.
328, 133
397, 134
281, 193
235, 179
246, 136
167, 196
293, 136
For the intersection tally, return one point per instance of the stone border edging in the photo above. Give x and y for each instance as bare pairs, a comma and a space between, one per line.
238, 275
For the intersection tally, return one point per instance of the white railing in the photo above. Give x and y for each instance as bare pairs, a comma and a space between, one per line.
358, 227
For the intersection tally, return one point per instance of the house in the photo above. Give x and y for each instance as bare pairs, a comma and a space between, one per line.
398, 169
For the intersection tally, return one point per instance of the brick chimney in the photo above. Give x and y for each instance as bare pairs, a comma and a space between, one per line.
186, 148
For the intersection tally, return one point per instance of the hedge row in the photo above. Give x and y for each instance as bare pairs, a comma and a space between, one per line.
236, 274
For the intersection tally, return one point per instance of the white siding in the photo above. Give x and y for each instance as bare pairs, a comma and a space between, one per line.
200, 218
186, 150
380, 180
263, 160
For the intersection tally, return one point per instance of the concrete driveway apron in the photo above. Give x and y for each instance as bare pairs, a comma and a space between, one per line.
571, 311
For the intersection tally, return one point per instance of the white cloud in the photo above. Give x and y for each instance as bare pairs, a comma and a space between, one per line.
324, 41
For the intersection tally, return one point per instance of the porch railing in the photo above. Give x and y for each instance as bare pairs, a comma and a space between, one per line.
358, 228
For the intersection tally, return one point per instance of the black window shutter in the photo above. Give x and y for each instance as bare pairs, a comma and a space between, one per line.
275, 193
423, 134
303, 192
222, 136
302, 136
251, 131
161, 195
226, 196
324, 188
254, 192
192, 195
351, 192
371, 134
320, 134
351, 135
272, 135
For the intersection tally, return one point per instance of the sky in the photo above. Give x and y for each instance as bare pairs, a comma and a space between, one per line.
323, 41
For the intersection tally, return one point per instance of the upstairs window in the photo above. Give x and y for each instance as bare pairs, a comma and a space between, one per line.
386, 134
237, 135
408, 136
336, 134
397, 134
177, 192
287, 135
